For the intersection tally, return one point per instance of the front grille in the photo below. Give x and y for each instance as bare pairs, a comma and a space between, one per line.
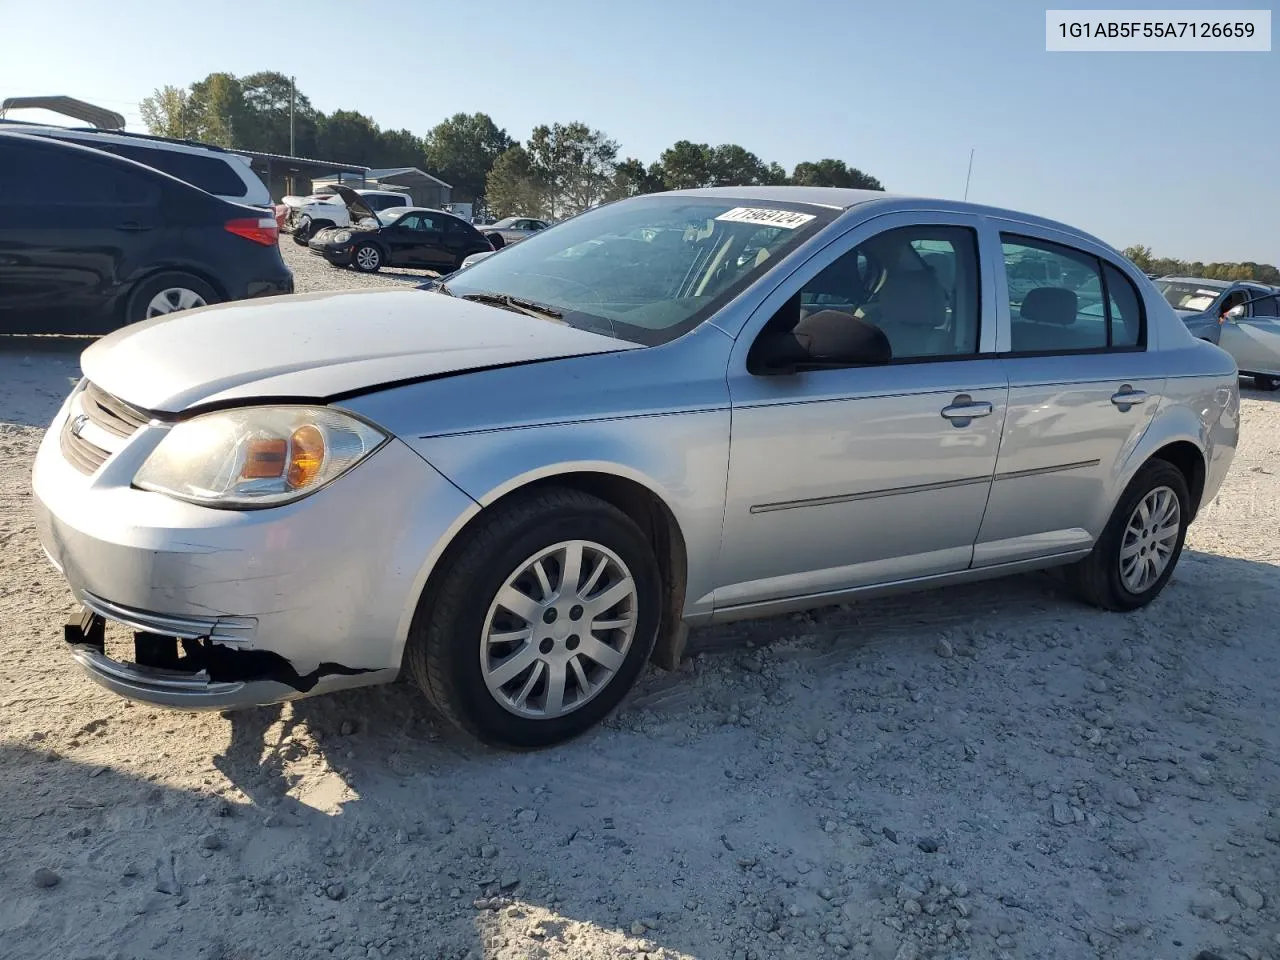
106, 419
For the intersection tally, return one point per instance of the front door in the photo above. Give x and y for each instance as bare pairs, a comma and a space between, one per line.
1254, 339
841, 478
1081, 393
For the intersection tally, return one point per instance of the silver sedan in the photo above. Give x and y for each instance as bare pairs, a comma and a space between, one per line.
675, 410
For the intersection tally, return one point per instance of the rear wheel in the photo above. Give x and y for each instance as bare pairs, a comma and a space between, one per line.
496, 240
1140, 546
541, 622
367, 258
168, 293
1264, 381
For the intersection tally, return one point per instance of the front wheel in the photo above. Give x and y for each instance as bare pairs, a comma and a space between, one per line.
366, 258
1263, 381
541, 622
1141, 543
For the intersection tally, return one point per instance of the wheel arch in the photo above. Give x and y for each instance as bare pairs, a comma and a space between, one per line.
633, 495
151, 272
1190, 461
1178, 437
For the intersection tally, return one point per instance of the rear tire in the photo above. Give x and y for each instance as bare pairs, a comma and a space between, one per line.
167, 293
1141, 543
496, 240
456, 652
1263, 381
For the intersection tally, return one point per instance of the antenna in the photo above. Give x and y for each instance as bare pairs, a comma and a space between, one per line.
968, 175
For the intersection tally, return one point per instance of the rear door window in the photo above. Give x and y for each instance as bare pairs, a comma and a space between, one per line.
211, 174
63, 177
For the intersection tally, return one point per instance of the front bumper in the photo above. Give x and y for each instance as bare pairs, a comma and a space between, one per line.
268, 604
339, 256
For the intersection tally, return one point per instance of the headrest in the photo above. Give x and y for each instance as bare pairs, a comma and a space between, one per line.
1050, 305
914, 299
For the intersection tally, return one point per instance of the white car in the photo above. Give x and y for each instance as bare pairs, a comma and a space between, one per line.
308, 215
223, 173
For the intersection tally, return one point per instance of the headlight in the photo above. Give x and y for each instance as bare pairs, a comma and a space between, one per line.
257, 456
342, 236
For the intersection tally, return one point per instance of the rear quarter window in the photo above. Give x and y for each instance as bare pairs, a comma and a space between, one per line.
211, 174
52, 176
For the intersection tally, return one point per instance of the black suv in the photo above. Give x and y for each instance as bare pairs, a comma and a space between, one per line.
90, 241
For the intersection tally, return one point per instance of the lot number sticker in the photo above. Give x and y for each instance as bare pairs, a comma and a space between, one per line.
786, 219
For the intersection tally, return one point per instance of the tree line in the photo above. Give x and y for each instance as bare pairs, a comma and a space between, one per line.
1146, 261
560, 170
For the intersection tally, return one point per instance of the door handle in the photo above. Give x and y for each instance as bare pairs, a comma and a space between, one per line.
1128, 397
964, 408
132, 226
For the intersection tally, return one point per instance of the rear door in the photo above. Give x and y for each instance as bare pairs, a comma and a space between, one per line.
1082, 391
71, 223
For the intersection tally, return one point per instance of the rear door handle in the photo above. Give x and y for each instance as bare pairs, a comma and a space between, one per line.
1127, 397
963, 409
132, 226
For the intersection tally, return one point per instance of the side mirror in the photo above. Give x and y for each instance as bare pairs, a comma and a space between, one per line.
1235, 313
825, 340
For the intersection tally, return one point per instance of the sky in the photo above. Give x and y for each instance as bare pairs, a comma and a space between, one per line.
1179, 151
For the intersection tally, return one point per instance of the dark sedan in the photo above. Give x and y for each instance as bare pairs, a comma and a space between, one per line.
90, 241
406, 237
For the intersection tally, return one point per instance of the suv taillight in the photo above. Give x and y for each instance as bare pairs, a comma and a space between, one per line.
261, 230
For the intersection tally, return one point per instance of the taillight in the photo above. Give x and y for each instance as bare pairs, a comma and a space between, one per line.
263, 230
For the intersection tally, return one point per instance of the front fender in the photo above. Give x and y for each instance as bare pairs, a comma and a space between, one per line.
681, 458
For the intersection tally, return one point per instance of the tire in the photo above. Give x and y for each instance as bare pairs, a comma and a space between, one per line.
449, 653
1263, 381
302, 232
1098, 578
181, 291
367, 258
496, 239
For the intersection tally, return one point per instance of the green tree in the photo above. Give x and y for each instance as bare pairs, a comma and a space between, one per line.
347, 137
216, 110
1140, 256
512, 187
833, 173
731, 165
573, 164
463, 149
400, 148
267, 96
631, 178
686, 165
165, 112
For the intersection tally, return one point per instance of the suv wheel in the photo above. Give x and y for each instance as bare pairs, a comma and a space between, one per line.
1141, 543
168, 293
541, 621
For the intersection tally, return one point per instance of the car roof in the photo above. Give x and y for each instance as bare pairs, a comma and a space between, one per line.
124, 136
1201, 281
841, 198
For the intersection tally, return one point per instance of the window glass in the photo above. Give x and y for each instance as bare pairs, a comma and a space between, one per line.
1126, 309
1055, 297
210, 174
1233, 299
1269, 307
410, 221
918, 284
650, 268
65, 177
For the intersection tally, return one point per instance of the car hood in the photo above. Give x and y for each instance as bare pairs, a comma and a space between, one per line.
319, 346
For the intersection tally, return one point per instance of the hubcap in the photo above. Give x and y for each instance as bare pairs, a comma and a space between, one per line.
559, 629
1149, 539
367, 257
173, 300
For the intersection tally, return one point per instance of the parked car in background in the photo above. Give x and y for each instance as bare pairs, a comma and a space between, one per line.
223, 173
401, 237
330, 208
90, 241
1242, 317
522, 486
512, 229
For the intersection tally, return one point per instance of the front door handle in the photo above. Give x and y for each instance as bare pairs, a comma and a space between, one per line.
1128, 397
964, 408
132, 226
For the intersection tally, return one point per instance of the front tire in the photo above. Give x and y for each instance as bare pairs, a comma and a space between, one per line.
541, 621
496, 240
1141, 543
367, 258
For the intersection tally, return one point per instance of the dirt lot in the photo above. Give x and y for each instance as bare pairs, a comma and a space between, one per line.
991, 771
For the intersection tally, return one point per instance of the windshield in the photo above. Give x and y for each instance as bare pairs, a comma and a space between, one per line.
646, 270
392, 214
1189, 296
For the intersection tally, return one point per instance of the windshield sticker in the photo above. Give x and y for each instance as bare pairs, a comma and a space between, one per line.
786, 219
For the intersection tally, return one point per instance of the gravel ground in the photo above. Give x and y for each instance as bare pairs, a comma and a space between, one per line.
986, 771
312, 273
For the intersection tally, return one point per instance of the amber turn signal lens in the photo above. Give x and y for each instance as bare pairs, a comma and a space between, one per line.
306, 455
264, 460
